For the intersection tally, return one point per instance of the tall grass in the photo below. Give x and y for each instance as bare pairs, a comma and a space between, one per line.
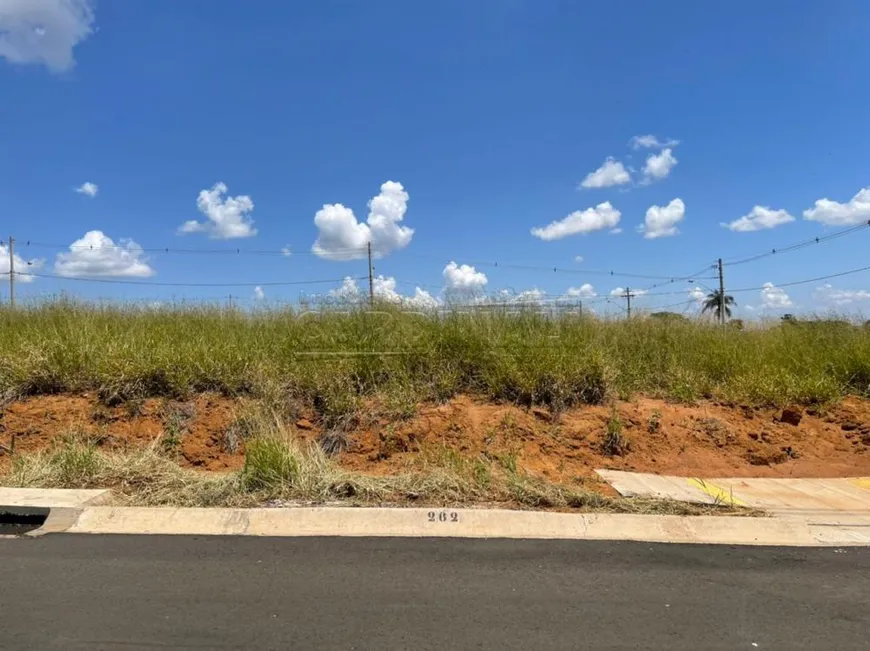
332, 361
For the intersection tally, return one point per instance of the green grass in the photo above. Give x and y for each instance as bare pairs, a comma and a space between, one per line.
126, 354
279, 468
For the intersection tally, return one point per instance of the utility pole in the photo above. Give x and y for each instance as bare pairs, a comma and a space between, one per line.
721, 295
628, 296
11, 271
371, 280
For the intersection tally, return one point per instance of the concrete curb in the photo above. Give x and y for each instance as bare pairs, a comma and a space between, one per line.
459, 523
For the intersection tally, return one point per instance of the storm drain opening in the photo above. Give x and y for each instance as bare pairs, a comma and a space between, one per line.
17, 521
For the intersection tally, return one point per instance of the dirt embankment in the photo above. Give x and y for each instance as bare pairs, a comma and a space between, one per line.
644, 435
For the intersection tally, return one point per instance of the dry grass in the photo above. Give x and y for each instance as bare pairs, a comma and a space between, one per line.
280, 467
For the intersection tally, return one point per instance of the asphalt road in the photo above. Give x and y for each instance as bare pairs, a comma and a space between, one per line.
130, 592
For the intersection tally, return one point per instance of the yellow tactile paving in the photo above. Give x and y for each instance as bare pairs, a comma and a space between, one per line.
719, 494
861, 482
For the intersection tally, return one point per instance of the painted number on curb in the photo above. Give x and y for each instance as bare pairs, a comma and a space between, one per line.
443, 516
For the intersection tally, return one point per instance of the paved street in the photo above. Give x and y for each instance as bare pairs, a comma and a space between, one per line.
129, 592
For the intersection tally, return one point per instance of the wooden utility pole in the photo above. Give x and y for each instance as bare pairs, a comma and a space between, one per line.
371, 279
11, 271
628, 296
721, 294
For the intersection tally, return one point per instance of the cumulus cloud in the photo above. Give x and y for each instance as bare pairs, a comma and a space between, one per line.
384, 288
463, 277
586, 290
259, 294
834, 213
422, 300
828, 294
342, 237
759, 218
611, 173
530, 296
600, 217
22, 266
44, 31
658, 166
228, 217
649, 141
95, 254
774, 298
615, 231
88, 189
661, 221
620, 292
286, 252
348, 290
578, 258
697, 294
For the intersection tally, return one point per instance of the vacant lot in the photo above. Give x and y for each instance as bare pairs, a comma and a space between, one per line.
394, 407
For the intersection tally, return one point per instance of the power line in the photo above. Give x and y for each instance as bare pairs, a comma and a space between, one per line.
694, 276
591, 272
803, 282
672, 305
800, 245
284, 252
147, 283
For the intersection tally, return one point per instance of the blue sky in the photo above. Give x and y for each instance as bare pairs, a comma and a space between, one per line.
474, 122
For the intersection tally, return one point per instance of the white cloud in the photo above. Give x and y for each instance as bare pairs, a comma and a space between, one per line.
578, 258
348, 290
22, 266
649, 141
286, 252
834, 213
759, 218
620, 292
422, 300
658, 166
228, 218
600, 217
384, 288
611, 172
697, 294
774, 298
259, 294
661, 221
342, 237
97, 255
530, 296
585, 290
463, 277
44, 31
88, 189
615, 231
827, 294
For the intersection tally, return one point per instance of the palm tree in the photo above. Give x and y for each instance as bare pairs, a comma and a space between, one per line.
715, 303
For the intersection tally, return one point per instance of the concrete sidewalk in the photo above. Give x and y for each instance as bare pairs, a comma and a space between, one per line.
841, 498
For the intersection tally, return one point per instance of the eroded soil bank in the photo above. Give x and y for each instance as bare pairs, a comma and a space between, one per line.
208, 432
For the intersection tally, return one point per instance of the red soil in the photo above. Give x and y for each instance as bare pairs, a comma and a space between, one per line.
706, 439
